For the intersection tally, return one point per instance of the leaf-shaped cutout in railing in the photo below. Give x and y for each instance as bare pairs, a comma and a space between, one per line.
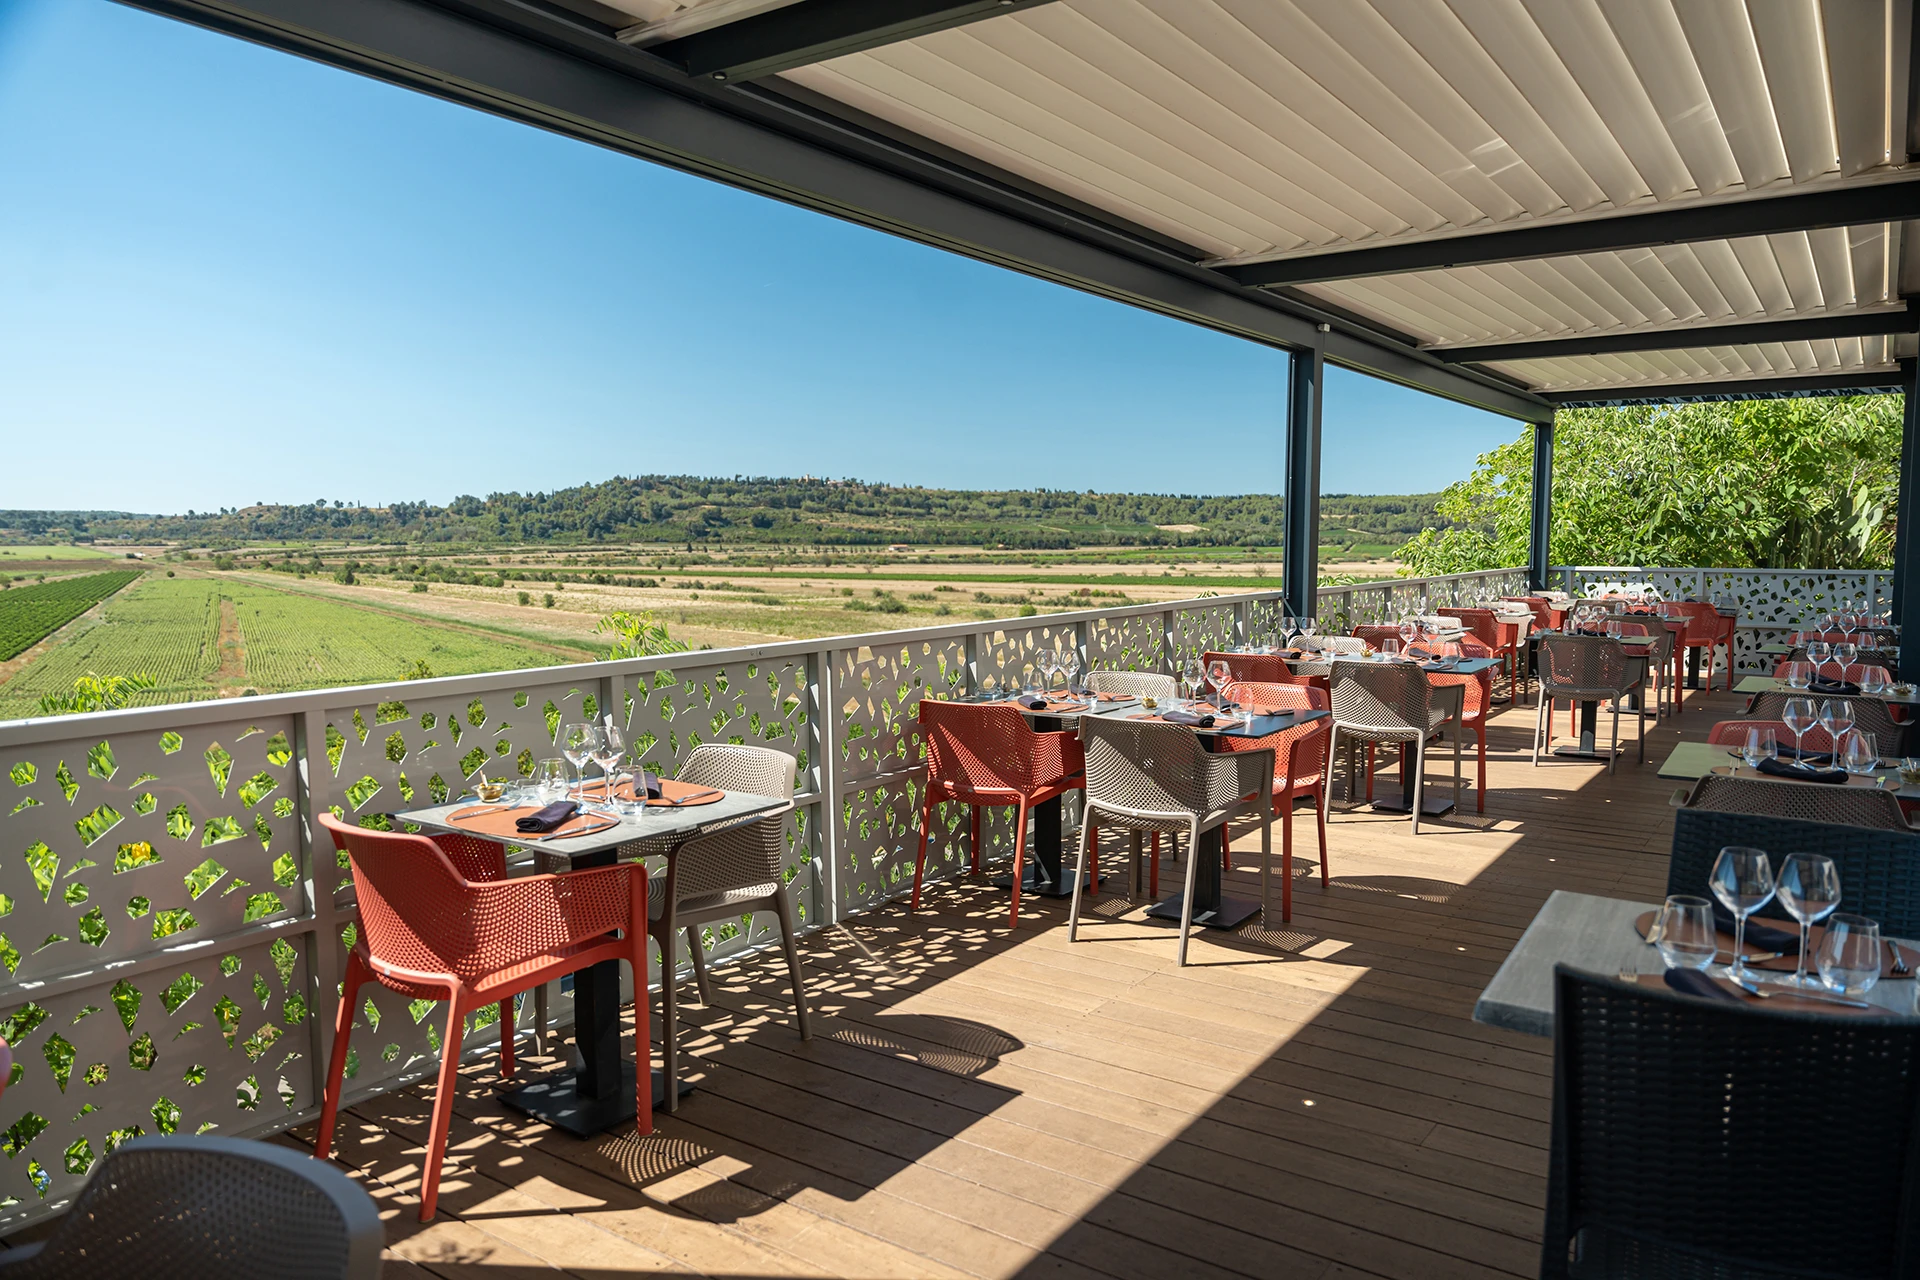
219, 766
171, 742
279, 750
396, 747
102, 819
219, 831
100, 761
174, 920
64, 777
23, 772
126, 1002
359, 726
203, 877
45, 865
257, 788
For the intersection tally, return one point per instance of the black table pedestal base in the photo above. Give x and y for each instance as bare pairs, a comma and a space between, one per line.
1230, 914
1431, 805
556, 1100
1035, 884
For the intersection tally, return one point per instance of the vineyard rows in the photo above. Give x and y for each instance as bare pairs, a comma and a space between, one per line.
164, 627
28, 614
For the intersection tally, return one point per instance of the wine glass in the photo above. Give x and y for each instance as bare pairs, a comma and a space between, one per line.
1836, 717
1409, 632
1862, 756
609, 745
1798, 716
1309, 625
1809, 889
1193, 676
1220, 675
1846, 653
1685, 933
1047, 662
1849, 955
1818, 651
576, 744
1742, 879
1759, 746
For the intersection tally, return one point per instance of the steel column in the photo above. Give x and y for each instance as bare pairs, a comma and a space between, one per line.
1540, 532
1906, 533
1300, 582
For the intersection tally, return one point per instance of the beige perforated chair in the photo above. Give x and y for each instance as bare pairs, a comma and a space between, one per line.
1144, 776
1390, 702
722, 876
1586, 669
1140, 684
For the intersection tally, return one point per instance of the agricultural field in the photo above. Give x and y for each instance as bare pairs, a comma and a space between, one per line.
205, 637
54, 552
27, 614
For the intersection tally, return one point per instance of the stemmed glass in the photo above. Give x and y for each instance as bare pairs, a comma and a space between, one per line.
576, 744
1047, 663
1759, 746
1836, 717
1809, 889
1308, 626
609, 746
1743, 881
1220, 675
1849, 956
1409, 632
1818, 651
1194, 676
1846, 653
1798, 716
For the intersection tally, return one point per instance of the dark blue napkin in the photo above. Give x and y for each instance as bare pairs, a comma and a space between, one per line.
1694, 982
1032, 701
1844, 688
1188, 718
1800, 772
547, 819
1759, 933
650, 781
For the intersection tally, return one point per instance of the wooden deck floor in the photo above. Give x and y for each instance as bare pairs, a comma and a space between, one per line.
1309, 1101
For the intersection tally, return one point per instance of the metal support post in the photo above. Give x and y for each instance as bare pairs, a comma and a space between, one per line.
1301, 574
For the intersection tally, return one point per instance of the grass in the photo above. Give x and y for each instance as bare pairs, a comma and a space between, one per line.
38, 553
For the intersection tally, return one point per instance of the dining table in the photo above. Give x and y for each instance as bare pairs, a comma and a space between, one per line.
1602, 935
1888, 695
598, 1094
1212, 908
1638, 656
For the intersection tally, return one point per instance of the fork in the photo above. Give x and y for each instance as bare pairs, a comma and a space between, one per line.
1755, 989
1900, 965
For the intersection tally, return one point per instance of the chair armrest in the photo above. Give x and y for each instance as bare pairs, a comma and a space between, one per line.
1057, 754
516, 920
1234, 775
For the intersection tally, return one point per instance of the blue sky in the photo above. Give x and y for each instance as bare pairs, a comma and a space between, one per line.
234, 276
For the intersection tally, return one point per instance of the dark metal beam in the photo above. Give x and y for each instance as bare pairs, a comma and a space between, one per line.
1845, 324
522, 61
1300, 574
1540, 534
815, 30
1844, 206
1906, 529
1766, 388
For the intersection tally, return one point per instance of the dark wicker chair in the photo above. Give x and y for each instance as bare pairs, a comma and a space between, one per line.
1869, 714
1669, 1111
180, 1208
1857, 807
1879, 870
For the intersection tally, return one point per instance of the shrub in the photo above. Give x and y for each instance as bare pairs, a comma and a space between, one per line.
943, 611
549, 600
889, 604
944, 587
525, 598
420, 588
1026, 611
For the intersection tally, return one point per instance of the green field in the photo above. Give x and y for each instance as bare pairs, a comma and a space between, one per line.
28, 614
57, 552
173, 629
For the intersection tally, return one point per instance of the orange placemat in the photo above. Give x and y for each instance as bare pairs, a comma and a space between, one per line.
673, 794
497, 821
1782, 1000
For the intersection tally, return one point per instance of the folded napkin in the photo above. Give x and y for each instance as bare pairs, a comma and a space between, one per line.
1188, 718
648, 780
1032, 701
1800, 772
1693, 982
547, 819
1823, 759
1759, 933
1845, 687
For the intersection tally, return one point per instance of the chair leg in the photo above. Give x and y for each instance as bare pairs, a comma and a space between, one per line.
1186, 901
1542, 724
1019, 863
1419, 778
337, 1065
1091, 834
1153, 876
1286, 864
920, 859
1079, 879
1613, 754
1480, 731
540, 1019
697, 954
974, 809
1320, 817
783, 906
642, 1036
506, 1039
442, 1109
669, 1009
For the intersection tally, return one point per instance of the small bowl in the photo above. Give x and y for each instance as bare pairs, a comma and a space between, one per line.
1903, 690
1909, 777
1151, 704
490, 791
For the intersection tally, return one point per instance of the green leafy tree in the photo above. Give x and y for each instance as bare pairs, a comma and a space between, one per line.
638, 635
94, 692
1775, 484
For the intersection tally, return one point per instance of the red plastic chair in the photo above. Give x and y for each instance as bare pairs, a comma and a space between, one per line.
989, 755
1705, 628
1267, 668
428, 932
1501, 641
1545, 616
1376, 634
1474, 704
1299, 765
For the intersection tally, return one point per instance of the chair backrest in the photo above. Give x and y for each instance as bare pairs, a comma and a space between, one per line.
987, 748
1266, 667
208, 1208
1142, 766
1664, 1104
1268, 698
1879, 869
1375, 634
1481, 622
1540, 606
1340, 644
1391, 696
1869, 714
1140, 684
1299, 751
1582, 663
1733, 733
748, 854
1703, 622
1844, 804
413, 903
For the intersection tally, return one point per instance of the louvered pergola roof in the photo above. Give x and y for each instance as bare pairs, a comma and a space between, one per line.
1514, 202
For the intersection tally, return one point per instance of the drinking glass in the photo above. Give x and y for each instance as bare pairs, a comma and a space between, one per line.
1309, 625
1389, 648
1742, 879
1846, 653
1048, 664
607, 750
1862, 756
1409, 631
1798, 716
1759, 746
1220, 675
1809, 890
1685, 933
1849, 955
1194, 677
1873, 679
576, 744
1836, 717
1799, 674
550, 777
1818, 651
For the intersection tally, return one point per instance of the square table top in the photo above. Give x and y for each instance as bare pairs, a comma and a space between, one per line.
1767, 684
1598, 935
1256, 727
1689, 761
659, 822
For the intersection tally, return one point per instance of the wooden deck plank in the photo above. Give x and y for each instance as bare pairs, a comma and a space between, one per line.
1305, 1099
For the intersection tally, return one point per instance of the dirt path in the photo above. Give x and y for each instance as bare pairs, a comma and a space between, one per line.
231, 676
